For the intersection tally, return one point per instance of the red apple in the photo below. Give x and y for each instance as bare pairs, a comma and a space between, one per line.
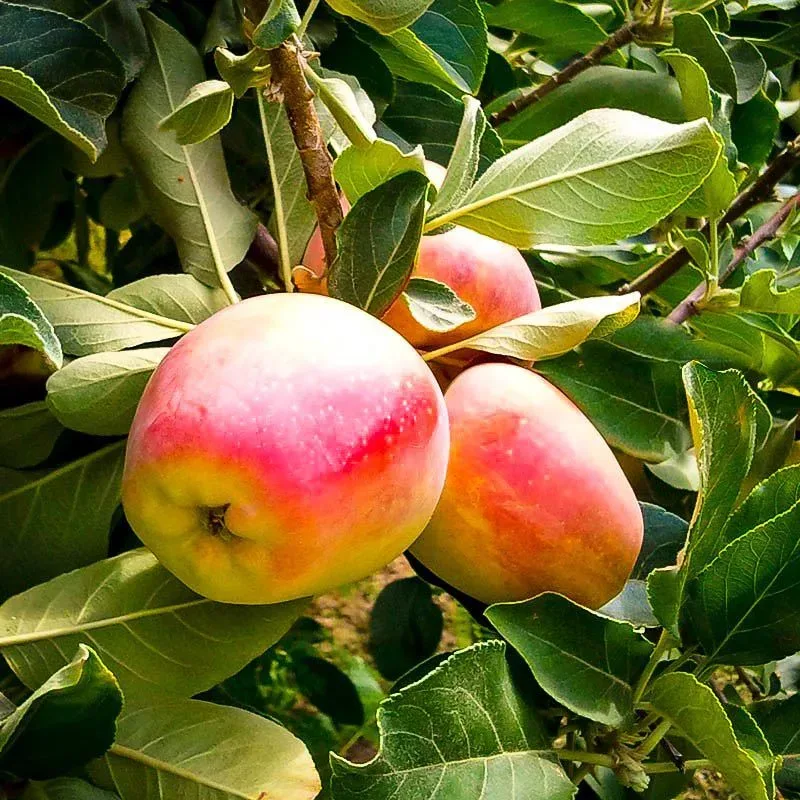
288, 444
534, 499
489, 275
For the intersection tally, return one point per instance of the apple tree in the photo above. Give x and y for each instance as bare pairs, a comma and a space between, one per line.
554, 359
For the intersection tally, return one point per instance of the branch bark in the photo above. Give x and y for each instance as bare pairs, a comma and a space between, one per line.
758, 192
688, 306
287, 74
619, 38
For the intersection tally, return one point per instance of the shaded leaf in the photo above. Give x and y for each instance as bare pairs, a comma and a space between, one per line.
586, 661
28, 434
405, 627
57, 520
277, 25
61, 72
664, 536
76, 707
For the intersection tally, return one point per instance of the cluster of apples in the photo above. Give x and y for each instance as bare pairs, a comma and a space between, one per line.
292, 443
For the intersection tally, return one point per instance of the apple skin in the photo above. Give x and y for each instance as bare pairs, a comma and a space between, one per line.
534, 499
325, 462
489, 275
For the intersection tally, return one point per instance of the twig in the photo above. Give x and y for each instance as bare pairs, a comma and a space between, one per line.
688, 306
619, 38
298, 99
760, 190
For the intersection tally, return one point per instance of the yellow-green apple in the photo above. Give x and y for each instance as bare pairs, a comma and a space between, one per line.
489, 275
288, 444
534, 499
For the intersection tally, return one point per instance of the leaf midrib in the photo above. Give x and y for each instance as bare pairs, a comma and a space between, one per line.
72, 630
464, 210
164, 766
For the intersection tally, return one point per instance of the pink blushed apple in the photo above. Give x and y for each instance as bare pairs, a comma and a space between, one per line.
285, 446
534, 499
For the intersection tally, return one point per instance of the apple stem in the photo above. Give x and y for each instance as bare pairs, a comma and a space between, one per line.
214, 520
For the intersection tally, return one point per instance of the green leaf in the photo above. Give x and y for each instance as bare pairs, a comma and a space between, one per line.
602, 86
120, 205
719, 188
186, 186
149, 310
435, 305
636, 404
65, 789
560, 30
405, 627
22, 322
728, 423
152, 631
432, 118
351, 108
779, 719
752, 740
28, 434
748, 65
243, 72
205, 110
328, 688
76, 708
606, 175
61, 72
58, 520
462, 731
664, 536
98, 394
694, 36
760, 292
554, 330
116, 21
189, 748
359, 170
378, 243
587, 662
463, 165
744, 607
632, 605
446, 47
385, 16
754, 126
698, 716
774, 496
277, 25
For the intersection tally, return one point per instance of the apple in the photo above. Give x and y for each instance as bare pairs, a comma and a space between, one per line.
489, 275
534, 499
287, 445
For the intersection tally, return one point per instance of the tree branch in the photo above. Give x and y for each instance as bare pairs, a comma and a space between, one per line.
760, 190
619, 38
688, 306
298, 99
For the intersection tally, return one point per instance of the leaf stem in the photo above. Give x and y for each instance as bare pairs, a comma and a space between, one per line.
226, 285
622, 36
688, 307
280, 219
287, 73
760, 190
585, 757
664, 643
655, 736
312, 7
